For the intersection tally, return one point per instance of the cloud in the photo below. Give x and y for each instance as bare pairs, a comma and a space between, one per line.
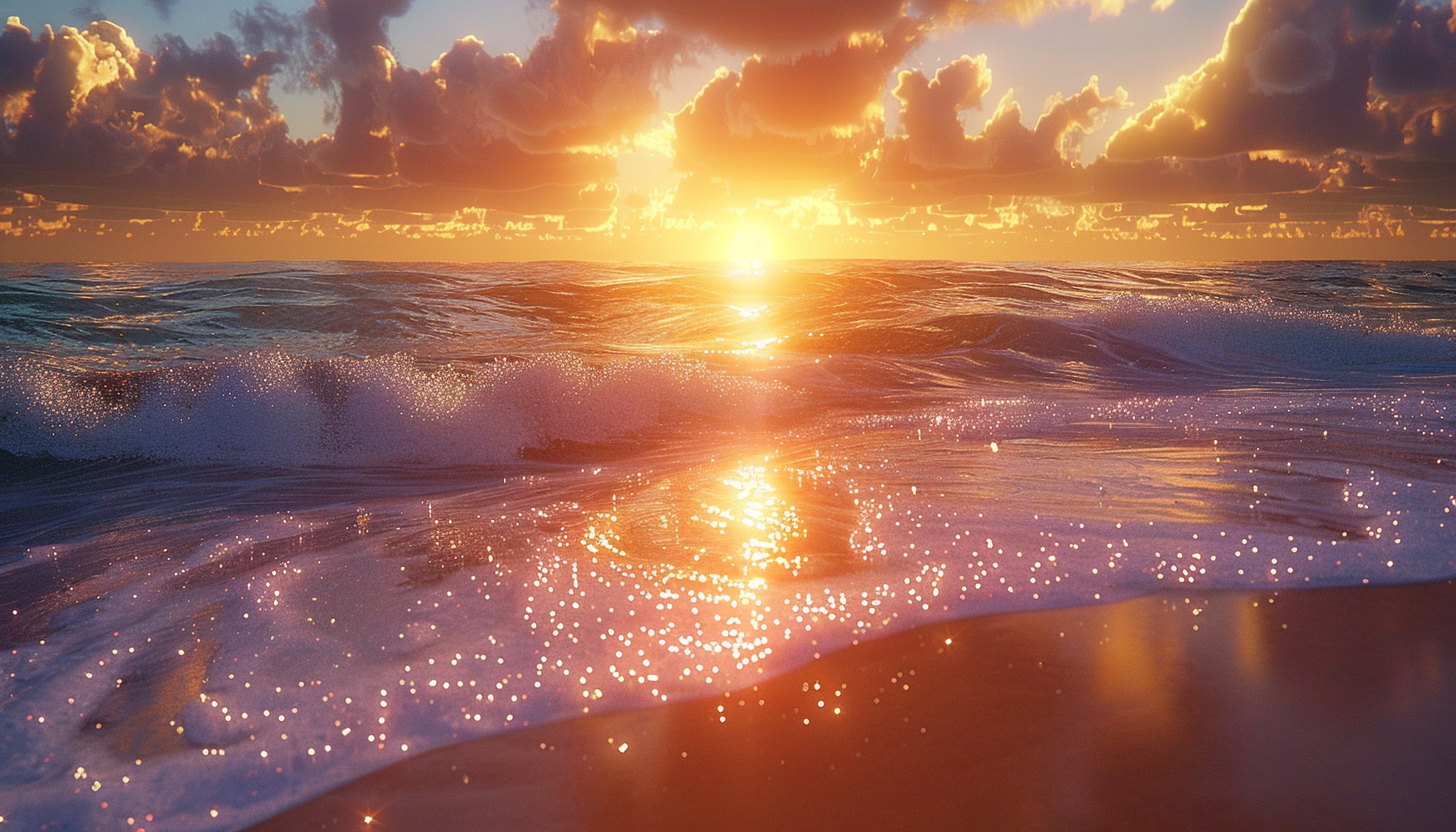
501, 123
1312, 109
92, 118
472, 119
1198, 180
588, 84
472, 127
716, 137
808, 114
963, 12
360, 68
939, 161
791, 124
789, 27
265, 28
1306, 77
20, 57
930, 113
1431, 134
89, 11
1415, 52
94, 105
810, 95
767, 26
164, 7
499, 165
1290, 60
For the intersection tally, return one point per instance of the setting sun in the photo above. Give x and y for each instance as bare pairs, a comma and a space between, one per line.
750, 247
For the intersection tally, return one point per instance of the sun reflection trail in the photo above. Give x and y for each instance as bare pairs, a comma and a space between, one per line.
731, 537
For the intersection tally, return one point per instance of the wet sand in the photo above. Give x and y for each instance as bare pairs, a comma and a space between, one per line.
1325, 709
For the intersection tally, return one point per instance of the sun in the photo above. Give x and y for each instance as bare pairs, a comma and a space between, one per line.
750, 247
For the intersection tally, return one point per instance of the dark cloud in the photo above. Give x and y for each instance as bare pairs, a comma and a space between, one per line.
265, 28
1307, 77
1368, 14
1198, 180
358, 72
20, 58
1415, 53
1431, 134
164, 7
499, 165
1290, 60
223, 70
89, 12
357, 28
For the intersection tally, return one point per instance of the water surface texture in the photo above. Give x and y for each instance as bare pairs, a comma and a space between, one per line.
267, 527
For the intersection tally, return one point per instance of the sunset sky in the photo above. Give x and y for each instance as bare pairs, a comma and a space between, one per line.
712, 129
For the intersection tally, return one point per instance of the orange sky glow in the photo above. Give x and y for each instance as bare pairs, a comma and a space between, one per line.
1320, 129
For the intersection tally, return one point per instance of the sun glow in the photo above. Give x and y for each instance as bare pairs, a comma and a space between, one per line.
749, 248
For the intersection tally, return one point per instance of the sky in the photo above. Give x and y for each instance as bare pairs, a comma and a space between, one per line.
664, 130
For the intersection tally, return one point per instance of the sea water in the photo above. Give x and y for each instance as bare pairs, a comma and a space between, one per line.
267, 527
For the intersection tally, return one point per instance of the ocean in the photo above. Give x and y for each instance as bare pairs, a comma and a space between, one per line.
269, 527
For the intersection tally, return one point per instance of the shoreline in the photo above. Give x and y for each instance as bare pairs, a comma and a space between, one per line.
1320, 709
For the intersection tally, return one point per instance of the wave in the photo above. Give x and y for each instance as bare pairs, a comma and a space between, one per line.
1133, 338
1240, 335
273, 409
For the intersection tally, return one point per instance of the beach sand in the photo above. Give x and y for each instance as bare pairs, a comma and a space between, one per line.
1322, 709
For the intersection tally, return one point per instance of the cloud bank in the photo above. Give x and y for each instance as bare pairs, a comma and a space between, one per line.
1323, 107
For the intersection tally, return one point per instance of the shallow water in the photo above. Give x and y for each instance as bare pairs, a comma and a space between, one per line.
267, 527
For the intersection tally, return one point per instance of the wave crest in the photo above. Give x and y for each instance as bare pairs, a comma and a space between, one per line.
271, 409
